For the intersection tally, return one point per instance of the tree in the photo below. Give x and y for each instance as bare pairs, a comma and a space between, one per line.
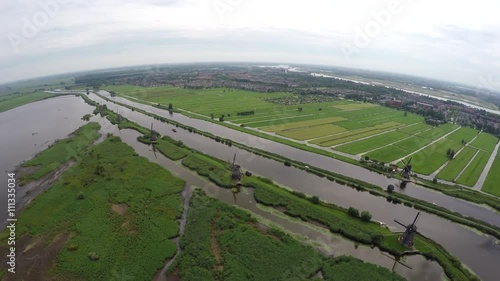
452, 154
170, 106
366, 216
299, 109
212, 115
315, 199
448, 152
435, 180
406, 113
353, 212
367, 158
390, 188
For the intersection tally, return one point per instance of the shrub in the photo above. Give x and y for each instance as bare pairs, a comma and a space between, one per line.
390, 188
315, 199
353, 212
81, 196
93, 256
366, 216
288, 164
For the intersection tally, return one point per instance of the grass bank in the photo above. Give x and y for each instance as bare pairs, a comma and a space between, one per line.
14, 100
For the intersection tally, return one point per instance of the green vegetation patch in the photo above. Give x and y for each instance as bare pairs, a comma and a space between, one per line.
355, 134
491, 184
485, 142
312, 132
455, 166
465, 134
115, 208
62, 151
432, 157
372, 143
474, 170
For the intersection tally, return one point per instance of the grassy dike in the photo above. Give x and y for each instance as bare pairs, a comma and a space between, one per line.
225, 243
110, 216
396, 198
8, 102
336, 219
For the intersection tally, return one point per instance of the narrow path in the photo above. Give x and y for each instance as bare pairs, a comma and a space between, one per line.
468, 164
433, 142
484, 174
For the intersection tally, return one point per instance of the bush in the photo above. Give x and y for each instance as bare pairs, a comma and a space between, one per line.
93, 256
288, 164
434, 180
366, 216
390, 188
315, 199
81, 196
353, 212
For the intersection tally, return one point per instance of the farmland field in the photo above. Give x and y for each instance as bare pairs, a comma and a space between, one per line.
372, 143
323, 120
491, 184
455, 166
485, 142
464, 133
399, 150
473, 172
437, 132
431, 158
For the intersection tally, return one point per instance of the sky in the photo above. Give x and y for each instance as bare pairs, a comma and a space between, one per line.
449, 40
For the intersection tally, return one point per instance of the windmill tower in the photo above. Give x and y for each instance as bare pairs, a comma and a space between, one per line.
408, 236
236, 170
153, 136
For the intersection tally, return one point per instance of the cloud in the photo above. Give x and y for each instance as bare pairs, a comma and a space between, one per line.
426, 38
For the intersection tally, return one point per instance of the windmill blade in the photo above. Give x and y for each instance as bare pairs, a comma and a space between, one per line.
154, 151
403, 161
400, 224
391, 257
409, 161
415, 220
403, 264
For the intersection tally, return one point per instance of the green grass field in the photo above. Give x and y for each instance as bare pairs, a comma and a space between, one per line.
473, 172
112, 212
491, 184
455, 166
14, 100
431, 158
485, 142
372, 143
465, 133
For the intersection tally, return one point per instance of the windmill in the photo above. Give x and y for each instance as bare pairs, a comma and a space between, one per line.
236, 170
153, 137
397, 259
406, 173
408, 236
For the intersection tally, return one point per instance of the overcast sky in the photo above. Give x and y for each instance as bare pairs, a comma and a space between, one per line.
450, 40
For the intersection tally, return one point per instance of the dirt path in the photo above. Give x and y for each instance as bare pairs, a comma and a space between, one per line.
484, 174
